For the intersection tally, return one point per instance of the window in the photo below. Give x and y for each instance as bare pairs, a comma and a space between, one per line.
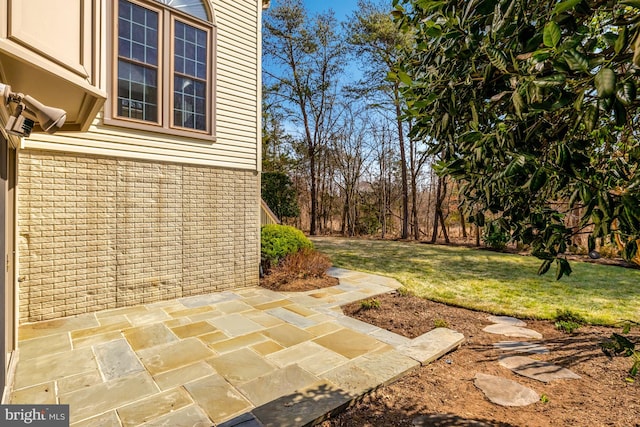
163, 66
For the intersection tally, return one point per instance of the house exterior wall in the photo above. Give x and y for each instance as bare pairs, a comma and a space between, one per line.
103, 232
237, 99
115, 216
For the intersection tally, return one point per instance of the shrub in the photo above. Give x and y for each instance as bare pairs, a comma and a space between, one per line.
278, 241
304, 264
495, 237
369, 304
440, 323
568, 321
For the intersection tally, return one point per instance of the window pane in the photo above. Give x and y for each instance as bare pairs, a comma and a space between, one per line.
189, 103
137, 62
137, 92
190, 77
141, 29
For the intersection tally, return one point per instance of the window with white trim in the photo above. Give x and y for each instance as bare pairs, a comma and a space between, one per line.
163, 71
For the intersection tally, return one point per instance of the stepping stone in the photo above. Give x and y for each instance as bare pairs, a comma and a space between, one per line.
504, 392
506, 320
536, 369
521, 347
513, 331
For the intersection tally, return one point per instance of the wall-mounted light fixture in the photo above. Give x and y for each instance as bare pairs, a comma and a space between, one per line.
28, 110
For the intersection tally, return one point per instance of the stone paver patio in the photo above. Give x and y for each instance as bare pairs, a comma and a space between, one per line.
246, 357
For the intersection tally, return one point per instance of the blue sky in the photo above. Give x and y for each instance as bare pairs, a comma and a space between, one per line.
342, 8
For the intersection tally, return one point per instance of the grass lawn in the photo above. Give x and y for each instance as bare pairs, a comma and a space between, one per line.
494, 282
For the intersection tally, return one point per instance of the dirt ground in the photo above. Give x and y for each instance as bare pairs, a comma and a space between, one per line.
443, 394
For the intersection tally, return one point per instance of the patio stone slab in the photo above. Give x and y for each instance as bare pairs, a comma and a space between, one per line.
291, 317
273, 304
296, 353
267, 347
387, 366
116, 359
108, 419
235, 325
230, 307
177, 377
231, 344
153, 407
98, 330
287, 335
208, 299
390, 338
174, 355
76, 382
193, 329
304, 407
530, 347
512, 331
276, 384
323, 328
56, 326
434, 344
96, 339
41, 394
51, 367
536, 369
110, 395
348, 343
53, 343
355, 324
322, 361
507, 320
263, 319
505, 392
219, 400
151, 316
191, 416
147, 336
352, 378
240, 366
244, 420
186, 312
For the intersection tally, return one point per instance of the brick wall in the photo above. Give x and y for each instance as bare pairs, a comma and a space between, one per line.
98, 233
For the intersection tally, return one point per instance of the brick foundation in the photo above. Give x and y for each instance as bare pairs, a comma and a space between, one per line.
98, 233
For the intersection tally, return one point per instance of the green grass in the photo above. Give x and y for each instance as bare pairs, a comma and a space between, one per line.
494, 282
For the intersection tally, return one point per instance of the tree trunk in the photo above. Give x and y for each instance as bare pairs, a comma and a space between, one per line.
463, 223
403, 165
434, 235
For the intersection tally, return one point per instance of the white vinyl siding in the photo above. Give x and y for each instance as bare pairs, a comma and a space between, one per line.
236, 94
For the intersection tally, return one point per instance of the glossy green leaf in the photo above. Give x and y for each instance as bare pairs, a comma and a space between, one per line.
404, 78
622, 41
605, 82
627, 92
551, 35
565, 6
576, 61
498, 59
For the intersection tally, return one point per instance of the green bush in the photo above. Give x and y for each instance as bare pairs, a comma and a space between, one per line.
495, 237
278, 241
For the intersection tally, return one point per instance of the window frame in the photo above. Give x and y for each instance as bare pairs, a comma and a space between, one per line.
167, 17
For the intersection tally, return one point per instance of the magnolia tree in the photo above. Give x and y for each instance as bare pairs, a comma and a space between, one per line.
532, 107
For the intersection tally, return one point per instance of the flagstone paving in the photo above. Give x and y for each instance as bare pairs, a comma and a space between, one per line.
247, 357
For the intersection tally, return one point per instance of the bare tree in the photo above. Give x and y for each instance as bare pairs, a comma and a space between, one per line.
305, 58
378, 43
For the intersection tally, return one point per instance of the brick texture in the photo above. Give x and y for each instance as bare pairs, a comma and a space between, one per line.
98, 233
